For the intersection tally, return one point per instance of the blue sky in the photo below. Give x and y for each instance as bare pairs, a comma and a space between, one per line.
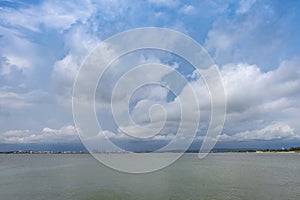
255, 44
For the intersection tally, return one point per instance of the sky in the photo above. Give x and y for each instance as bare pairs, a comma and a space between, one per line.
254, 44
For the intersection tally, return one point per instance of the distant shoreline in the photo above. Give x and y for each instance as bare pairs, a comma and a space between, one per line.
43, 152
293, 150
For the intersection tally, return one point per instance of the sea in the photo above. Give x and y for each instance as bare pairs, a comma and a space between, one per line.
219, 176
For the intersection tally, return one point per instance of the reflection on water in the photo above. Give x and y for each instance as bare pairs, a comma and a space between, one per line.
219, 176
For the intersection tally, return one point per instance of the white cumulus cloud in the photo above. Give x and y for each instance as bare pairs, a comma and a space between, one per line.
274, 131
47, 135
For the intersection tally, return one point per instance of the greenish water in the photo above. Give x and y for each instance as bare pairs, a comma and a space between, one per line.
219, 176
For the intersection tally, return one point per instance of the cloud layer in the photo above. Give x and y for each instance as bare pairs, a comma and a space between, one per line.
66, 134
255, 45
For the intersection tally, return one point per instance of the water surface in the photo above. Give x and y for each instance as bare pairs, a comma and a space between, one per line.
219, 176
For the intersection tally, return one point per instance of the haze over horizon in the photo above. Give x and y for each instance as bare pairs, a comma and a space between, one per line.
255, 45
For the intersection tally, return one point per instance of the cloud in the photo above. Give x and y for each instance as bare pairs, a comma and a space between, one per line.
80, 43
66, 134
262, 35
61, 31
5, 66
274, 131
28, 29
245, 5
254, 99
164, 3
13, 56
187, 9
249, 89
43, 45
47, 14
63, 77
20, 100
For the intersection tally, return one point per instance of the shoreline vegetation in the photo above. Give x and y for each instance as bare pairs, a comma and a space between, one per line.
295, 150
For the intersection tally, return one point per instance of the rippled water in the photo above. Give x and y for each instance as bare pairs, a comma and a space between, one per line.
219, 176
